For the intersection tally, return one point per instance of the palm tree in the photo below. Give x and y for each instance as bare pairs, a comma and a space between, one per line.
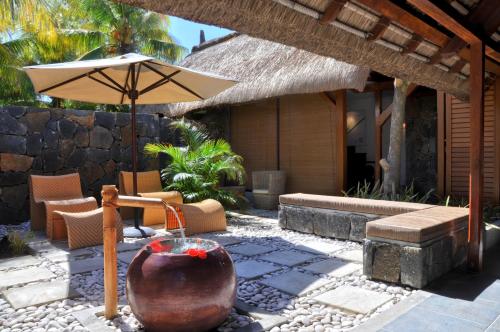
196, 170
126, 29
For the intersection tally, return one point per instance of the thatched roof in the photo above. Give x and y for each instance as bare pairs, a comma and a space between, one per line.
266, 69
347, 38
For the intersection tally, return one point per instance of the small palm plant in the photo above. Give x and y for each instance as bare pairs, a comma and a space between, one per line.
196, 170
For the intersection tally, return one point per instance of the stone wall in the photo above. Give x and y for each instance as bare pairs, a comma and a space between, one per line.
60, 141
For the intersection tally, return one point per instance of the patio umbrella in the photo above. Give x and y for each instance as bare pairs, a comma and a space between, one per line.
129, 79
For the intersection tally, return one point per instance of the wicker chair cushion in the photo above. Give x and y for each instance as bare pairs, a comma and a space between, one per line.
68, 205
419, 226
360, 205
203, 217
85, 228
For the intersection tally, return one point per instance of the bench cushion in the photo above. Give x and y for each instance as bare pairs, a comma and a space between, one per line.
419, 226
359, 205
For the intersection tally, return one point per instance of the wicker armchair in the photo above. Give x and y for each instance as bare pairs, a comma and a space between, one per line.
203, 217
148, 185
56, 193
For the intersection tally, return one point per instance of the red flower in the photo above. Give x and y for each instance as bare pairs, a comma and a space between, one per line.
194, 252
157, 246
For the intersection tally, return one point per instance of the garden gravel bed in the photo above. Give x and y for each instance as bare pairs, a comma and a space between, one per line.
287, 253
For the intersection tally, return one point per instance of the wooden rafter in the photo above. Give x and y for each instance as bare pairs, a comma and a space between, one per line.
332, 11
453, 46
457, 66
413, 44
379, 29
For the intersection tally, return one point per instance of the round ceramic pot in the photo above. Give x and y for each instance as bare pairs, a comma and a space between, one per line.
177, 292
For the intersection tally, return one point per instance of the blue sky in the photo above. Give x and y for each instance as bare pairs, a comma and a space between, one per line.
187, 33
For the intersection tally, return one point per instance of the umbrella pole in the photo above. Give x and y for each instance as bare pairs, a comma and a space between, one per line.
134, 156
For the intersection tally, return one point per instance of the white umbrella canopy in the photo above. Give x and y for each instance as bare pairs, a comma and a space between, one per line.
109, 81
129, 79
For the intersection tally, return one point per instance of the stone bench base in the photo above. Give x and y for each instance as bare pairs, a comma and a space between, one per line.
412, 264
325, 222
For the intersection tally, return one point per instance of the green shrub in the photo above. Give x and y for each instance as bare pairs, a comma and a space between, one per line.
196, 170
407, 193
18, 242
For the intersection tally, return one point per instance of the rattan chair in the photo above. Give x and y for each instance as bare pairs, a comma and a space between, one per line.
85, 228
148, 185
203, 217
56, 193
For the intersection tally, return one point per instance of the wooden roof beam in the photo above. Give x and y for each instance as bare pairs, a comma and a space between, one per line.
413, 44
332, 11
379, 29
457, 66
451, 48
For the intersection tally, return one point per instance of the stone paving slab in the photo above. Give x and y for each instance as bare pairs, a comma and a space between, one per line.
126, 257
90, 320
265, 320
333, 267
42, 293
288, 258
17, 277
83, 265
124, 246
252, 269
58, 256
18, 262
226, 240
353, 299
295, 283
249, 249
319, 248
355, 255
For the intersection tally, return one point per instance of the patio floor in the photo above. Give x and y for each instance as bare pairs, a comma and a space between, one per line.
287, 281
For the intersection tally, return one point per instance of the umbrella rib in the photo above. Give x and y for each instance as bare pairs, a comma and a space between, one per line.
158, 83
174, 81
125, 86
67, 81
106, 76
106, 84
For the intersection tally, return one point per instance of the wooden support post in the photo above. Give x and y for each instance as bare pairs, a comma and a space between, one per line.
378, 135
341, 140
109, 203
475, 253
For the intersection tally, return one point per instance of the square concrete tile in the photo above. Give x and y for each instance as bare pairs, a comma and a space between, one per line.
253, 269
58, 256
295, 283
353, 299
226, 240
333, 267
319, 248
126, 257
249, 249
83, 265
18, 262
354, 255
17, 277
288, 258
37, 294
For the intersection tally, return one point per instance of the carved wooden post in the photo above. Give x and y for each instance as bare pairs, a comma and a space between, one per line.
109, 199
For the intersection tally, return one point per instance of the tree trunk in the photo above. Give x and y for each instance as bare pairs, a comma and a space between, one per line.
392, 166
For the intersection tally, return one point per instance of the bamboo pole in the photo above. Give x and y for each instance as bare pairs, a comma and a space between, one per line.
109, 204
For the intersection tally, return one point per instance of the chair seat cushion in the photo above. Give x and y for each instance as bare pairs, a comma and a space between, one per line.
351, 204
418, 226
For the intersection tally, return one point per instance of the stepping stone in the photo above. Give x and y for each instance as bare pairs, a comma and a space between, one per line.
18, 262
355, 255
58, 256
333, 267
295, 283
319, 248
288, 258
124, 246
353, 299
252, 269
83, 265
42, 293
226, 240
126, 257
249, 249
24, 276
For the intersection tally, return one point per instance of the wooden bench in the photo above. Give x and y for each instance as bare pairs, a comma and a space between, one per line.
417, 247
337, 217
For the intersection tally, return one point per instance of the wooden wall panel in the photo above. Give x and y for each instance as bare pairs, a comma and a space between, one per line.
458, 139
308, 146
254, 135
